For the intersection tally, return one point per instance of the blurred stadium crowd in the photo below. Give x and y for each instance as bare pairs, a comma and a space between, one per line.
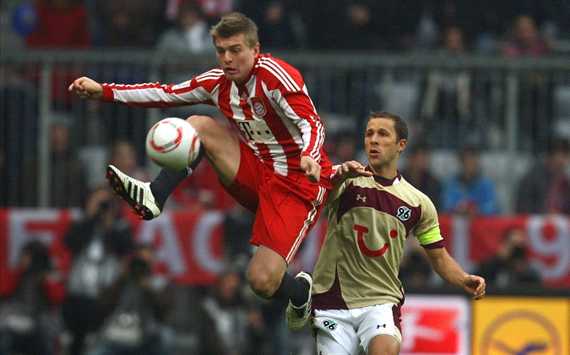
529, 27
116, 299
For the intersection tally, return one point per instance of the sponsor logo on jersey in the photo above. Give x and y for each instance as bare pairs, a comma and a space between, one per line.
360, 197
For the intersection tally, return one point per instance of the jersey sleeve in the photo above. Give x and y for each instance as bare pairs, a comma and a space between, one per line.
427, 230
338, 190
198, 90
332, 203
292, 97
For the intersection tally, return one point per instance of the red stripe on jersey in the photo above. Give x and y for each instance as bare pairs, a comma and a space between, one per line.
207, 84
243, 103
224, 100
265, 154
303, 108
281, 73
281, 133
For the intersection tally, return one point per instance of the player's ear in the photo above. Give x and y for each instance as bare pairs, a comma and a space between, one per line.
403, 143
257, 48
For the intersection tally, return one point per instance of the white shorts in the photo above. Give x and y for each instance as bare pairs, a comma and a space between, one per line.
349, 331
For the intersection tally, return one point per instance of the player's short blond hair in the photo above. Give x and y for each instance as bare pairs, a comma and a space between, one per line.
233, 24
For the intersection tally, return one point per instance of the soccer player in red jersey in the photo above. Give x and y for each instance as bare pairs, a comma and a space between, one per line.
372, 210
277, 167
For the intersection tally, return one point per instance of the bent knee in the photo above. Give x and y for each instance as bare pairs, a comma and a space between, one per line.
262, 281
201, 123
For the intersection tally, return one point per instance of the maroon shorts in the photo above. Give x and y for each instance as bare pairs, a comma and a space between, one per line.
285, 208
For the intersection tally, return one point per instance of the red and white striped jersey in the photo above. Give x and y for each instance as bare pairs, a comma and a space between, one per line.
272, 110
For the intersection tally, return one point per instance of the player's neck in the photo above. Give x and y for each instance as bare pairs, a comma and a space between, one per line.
386, 171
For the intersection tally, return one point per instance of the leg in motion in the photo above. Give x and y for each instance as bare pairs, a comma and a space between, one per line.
268, 278
220, 147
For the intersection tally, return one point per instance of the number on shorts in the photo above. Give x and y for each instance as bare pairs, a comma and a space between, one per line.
331, 325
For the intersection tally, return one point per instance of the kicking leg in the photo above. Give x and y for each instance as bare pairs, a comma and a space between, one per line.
219, 146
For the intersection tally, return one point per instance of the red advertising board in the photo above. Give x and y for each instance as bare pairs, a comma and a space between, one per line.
435, 325
190, 244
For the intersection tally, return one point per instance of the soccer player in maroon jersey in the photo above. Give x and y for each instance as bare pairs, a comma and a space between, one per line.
357, 294
276, 167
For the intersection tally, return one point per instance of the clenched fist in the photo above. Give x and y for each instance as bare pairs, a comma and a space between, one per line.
86, 88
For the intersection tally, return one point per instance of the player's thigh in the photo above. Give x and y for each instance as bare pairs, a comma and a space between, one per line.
334, 334
288, 209
383, 345
377, 326
221, 146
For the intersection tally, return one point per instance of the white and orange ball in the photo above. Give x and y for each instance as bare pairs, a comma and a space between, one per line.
172, 143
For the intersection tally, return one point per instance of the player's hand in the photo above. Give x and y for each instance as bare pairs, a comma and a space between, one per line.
350, 169
311, 168
86, 88
475, 286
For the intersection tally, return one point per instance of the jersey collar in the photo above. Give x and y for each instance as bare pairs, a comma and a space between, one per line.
384, 181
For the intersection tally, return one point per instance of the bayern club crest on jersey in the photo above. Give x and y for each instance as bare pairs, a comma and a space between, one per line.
258, 107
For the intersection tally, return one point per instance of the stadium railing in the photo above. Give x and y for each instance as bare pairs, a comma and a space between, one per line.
509, 107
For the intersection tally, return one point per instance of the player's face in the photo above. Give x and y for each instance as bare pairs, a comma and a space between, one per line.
235, 57
381, 142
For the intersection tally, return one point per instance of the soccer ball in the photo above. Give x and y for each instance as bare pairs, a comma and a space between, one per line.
172, 143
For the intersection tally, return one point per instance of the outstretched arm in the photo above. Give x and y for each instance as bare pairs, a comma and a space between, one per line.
348, 169
195, 91
452, 272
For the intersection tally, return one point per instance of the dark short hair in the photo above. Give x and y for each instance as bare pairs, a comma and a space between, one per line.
399, 124
233, 24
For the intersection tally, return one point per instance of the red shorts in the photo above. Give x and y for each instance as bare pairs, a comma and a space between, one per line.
285, 208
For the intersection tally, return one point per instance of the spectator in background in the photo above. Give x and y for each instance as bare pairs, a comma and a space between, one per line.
535, 91
447, 95
214, 9
511, 266
415, 270
230, 326
418, 173
545, 188
342, 147
28, 324
99, 243
60, 24
134, 310
130, 23
525, 40
237, 229
358, 32
191, 33
469, 192
19, 111
67, 182
202, 190
279, 31
3, 177
124, 157
211, 9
